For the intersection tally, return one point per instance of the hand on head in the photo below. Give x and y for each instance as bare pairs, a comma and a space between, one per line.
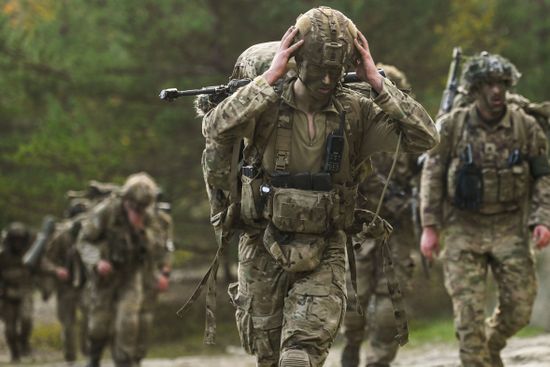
366, 68
278, 67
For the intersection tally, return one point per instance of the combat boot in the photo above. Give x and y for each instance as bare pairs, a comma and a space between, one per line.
350, 355
294, 358
96, 350
13, 346
496, 361
378, 365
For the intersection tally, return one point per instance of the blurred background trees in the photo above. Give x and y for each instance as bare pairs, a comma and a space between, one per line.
79, 81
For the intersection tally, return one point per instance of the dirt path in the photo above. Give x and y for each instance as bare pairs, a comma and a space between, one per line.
531, 352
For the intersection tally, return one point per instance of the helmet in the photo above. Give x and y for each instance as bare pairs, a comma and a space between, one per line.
328, 38
395, 75
140, 190
16, 232
484, 67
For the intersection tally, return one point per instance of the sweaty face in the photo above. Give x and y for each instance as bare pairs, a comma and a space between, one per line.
491, 97
320, 80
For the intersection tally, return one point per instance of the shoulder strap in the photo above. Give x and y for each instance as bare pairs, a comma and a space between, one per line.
458, 129
519, 130
254, 152
283, 139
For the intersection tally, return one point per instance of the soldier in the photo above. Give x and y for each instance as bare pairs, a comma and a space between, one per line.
16, 288
482, 188
372, 284
304, 138
124, 243
63, 263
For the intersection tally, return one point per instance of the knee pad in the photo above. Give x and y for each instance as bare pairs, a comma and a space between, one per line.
294, 358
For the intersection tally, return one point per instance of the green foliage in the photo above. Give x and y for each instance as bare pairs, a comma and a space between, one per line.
80, 80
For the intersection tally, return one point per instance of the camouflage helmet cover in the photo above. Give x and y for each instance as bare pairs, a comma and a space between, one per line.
328, 37
16, 231
140, 189
484, 67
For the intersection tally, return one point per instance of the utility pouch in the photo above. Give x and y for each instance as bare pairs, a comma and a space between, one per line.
468, 187
302, 211
294, 252
245, 326
348, 199
491, 179
251, 202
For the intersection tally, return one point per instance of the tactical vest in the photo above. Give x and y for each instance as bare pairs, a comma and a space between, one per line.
287, 196
502, 165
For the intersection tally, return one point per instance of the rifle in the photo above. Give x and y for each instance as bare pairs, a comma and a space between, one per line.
451, 88
220, 92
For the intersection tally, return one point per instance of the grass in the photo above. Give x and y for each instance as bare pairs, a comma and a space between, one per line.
46, 336
442, 331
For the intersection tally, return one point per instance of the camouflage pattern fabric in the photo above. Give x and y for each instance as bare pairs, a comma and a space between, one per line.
121, 304
539, 110
61, 252
501, 246
495, 236
16, 289
279, 311
379, 322
372, 282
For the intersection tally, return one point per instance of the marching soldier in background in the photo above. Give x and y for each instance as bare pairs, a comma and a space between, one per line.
16, 289
372, 287
483, 189
125, 243
63, 263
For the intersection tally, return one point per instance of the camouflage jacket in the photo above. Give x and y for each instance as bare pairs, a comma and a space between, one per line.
106, 234
61, 252
396, 203
373, 125
506, 186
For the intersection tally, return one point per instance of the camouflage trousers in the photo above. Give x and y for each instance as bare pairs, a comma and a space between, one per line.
70, 301
17, 317
121, 310
379, 320
475, 244
281, 314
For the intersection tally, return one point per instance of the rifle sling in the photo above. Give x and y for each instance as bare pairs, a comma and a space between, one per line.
209, 279
353, 274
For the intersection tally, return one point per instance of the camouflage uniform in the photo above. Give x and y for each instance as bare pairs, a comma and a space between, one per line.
121, 303
289, 303
16, 288
70, 296
372, 285
495, 234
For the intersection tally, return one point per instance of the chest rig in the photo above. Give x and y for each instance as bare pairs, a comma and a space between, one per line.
488, 174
